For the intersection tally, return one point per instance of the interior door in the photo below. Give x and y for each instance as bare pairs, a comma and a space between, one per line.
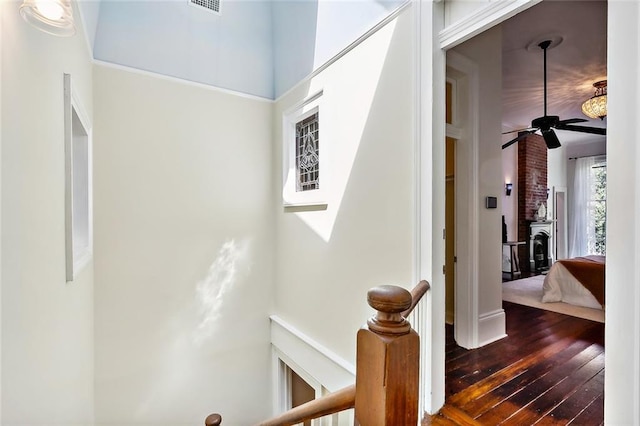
450, 226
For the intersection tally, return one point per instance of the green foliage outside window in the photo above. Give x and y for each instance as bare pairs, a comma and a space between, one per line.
598, 207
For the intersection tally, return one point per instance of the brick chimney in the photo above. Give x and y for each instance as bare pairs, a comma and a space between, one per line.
532, 188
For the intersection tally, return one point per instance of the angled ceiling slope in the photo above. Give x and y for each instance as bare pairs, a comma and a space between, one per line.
257, 47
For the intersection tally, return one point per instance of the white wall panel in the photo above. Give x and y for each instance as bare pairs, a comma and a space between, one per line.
184, 252
327, 259
47, 324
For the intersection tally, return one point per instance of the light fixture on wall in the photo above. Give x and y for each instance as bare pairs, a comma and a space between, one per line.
508, 187
596, 106
51, 16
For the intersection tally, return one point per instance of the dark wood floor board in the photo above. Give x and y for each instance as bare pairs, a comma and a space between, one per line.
549, 370
547, 401
478, 368
505, 351
533, 390
521, 373
592, 415
439, 420
527, 324
512, 385
512, 370
574, 404
458, 416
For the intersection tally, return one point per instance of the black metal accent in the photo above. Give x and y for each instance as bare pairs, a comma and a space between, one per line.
547, 123
544, 45
583, 129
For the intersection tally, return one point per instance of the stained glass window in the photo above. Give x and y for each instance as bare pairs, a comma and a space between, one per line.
308, 154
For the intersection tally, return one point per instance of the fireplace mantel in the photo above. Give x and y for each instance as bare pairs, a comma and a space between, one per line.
540, 235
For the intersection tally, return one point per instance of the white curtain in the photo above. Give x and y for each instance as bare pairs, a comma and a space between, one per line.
582, 231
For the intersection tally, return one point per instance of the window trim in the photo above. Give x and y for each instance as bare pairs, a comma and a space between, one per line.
290, 196
76, 258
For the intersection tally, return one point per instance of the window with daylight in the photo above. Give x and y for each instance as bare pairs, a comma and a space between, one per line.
308, 154
589, 217
597, 208
304, 159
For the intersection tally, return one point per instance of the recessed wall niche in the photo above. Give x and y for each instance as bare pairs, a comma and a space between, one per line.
78, 183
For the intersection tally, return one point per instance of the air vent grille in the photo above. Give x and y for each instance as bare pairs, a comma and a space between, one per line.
210, 5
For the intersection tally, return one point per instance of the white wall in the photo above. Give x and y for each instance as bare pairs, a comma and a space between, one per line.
458, 10
485, 51
184, 252
47, 324
556, 171
328, 259
622, 326
308, 34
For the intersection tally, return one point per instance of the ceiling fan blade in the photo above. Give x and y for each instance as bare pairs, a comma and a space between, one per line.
551, 139
572, 120
521, 136
583, 129
528, 129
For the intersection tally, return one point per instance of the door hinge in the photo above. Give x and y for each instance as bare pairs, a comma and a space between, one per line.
455, 258
444, 234
443, 270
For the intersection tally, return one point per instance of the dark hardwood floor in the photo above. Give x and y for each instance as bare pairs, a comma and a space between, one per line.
548, 371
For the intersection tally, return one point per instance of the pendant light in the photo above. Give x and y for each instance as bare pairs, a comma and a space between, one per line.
596, 106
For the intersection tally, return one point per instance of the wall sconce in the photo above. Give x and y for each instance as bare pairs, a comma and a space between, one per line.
51, 16
508, 187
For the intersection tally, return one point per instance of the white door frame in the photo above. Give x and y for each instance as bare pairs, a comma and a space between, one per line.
622, 381
432, 41
464, 129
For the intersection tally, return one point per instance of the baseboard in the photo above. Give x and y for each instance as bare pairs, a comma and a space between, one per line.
491, 327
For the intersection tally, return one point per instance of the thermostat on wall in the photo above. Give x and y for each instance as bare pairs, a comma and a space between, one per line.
492, 202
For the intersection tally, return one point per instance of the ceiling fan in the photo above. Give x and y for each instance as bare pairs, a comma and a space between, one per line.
547, 123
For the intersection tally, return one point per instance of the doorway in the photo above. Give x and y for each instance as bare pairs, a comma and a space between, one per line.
450, 226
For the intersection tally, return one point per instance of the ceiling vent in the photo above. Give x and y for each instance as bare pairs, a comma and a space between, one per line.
209, 5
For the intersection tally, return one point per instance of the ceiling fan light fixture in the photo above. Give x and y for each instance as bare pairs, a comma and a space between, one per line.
596, 106
51, 16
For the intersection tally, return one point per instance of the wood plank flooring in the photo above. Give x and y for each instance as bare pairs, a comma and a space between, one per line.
548, 371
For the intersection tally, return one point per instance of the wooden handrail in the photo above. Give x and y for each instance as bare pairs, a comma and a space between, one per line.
416, 294
334, 402
393, 304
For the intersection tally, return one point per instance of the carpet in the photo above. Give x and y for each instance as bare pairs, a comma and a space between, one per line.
528, 292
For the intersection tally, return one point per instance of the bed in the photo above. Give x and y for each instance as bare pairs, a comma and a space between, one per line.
578, 281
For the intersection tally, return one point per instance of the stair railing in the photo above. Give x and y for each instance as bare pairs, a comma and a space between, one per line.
387, 363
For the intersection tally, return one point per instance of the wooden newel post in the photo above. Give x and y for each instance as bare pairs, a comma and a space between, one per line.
213, 420
387, 362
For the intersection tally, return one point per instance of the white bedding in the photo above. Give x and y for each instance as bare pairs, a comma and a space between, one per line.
560, 286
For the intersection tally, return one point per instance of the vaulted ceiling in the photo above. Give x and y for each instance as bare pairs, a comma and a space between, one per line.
257, 47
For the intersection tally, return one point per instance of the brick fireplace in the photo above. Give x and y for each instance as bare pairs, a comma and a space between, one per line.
532, 190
